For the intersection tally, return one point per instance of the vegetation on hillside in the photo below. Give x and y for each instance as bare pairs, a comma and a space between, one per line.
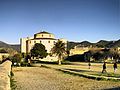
101, 43
3, 50
14, 47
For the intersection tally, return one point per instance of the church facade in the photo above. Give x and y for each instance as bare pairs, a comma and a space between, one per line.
45, 38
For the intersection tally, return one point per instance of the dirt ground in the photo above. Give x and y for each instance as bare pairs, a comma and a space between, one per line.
39, 78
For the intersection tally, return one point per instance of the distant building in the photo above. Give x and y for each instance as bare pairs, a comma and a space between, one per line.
117, 49
3, 56
78, 50
45, 38
81, 49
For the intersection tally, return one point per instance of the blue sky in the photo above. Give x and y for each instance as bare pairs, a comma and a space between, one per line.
75, 20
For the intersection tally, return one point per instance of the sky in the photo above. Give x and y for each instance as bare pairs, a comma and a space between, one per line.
74, 20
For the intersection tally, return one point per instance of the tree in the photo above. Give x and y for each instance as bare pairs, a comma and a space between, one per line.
87, 56
38, 50
11, 51
59, 50
3, 51
68, 53
98, 55
16, 58
23, 55
115, 54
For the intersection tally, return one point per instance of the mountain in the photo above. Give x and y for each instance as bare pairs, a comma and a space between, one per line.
101, 43
85, 43
16, 47
114, 44
5, 45
71, 45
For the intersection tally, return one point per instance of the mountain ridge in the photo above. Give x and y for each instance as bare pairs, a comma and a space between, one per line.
13, 46
101, 43
72, 44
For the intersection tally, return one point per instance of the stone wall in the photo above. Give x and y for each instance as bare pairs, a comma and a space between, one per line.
5, 69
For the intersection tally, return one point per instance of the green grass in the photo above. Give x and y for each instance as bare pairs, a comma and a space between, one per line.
108, 75
12, 82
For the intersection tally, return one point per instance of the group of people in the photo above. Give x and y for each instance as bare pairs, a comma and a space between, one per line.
114, 66
104, 67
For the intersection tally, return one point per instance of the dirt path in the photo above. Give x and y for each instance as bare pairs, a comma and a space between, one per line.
36, 78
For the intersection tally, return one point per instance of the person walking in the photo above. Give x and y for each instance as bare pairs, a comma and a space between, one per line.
104, 68
89, 64
115, 66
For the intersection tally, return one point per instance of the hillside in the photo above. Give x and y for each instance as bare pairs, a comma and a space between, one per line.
5, 45
101, 43
16, 47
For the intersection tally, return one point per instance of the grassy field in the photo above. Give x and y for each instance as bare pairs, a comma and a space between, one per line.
96, 68
40, 78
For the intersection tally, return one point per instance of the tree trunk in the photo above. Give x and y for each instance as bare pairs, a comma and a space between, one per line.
59, 60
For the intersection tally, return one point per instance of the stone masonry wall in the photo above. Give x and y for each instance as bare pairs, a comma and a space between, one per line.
5, 69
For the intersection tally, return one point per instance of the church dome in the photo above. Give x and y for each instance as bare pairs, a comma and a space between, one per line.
44, 35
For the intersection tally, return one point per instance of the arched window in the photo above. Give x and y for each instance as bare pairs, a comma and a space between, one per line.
54, 42
48, 41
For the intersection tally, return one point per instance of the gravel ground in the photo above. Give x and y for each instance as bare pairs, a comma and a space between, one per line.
39, 78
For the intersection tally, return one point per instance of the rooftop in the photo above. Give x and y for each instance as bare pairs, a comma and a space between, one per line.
43, 32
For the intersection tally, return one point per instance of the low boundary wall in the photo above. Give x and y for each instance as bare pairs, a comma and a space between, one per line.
5, 71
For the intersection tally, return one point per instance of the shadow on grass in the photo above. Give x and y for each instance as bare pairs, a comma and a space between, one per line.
76, 58
78, 70
116, 88
43, 62
108, 75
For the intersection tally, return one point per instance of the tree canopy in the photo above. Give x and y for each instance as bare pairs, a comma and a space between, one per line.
59, 50
38, 50
16, 58
3, 51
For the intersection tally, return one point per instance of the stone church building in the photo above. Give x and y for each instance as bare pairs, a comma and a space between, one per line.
46, 38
